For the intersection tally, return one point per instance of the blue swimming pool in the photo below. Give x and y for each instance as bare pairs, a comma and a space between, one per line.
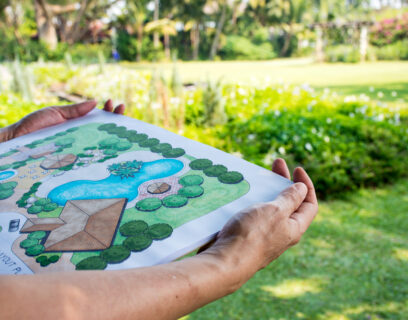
114, 186
4, 175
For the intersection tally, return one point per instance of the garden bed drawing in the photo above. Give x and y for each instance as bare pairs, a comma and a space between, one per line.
95, 194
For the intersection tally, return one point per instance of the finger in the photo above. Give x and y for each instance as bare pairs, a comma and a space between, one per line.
300, 175
304, 215
309, 208
108, 106
120, 109
291, 198
280, 167
76, 110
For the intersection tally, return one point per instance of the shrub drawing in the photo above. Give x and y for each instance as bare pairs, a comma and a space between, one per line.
161, 147
149, 204
231, 177
108, 143
160, 231
115, 254
7, 189
149, 143
200, 164
133, 228
191, 191
215, 170
191, 180
91, 263
137, 243
174, 153
175, 201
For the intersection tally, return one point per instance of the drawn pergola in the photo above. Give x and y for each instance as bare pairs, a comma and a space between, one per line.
82, 225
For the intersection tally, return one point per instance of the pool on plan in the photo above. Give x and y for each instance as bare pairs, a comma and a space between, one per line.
115, 186
4, 175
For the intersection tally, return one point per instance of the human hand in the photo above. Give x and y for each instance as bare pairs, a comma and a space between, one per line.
50, 116
256, 236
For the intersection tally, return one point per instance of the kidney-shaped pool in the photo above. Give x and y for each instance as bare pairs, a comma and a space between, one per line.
114, 186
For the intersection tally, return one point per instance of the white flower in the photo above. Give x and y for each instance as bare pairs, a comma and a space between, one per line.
245, 101
308, 146
337, 159
380, 94
314, 131
190, 102
282, 150
251, 136
371, 89
394, 94
326, 139
242, 91
277, 113
329, 120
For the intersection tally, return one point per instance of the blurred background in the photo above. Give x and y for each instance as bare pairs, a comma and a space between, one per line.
322, 84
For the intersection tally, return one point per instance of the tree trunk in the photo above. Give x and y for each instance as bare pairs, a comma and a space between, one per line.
220, 25
156, 38
286, 43
167, 46
45, 26
139, 42
196, 43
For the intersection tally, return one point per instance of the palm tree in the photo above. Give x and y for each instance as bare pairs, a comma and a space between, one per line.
167, 28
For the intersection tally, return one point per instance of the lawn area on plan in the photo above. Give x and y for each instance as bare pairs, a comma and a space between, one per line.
351, 264
344, 78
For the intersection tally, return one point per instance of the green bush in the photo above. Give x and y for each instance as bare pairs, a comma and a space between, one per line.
91, 263
160, 231
108, 143
395, 51
241, 48
175, 201
149, 204
34, 209
42, 202
4, 194
5, 167
115, 254
37, 235
231, 177
50, 207
342, 53
200, 164
110, 152
149, 143
215, 170
133, 228
27, 243
191, 180
123, 145
137, 243
106, 126
191, 191
162, 147
8, 185
139, 137
53, 258
342, 153
35, 250
174, 153
65, 142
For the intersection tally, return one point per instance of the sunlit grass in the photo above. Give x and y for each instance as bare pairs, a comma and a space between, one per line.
351, 264
294, 288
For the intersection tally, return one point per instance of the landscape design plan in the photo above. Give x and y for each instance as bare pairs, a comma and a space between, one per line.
110, 192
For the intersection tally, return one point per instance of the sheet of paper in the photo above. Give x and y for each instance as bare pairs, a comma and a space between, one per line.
110, 192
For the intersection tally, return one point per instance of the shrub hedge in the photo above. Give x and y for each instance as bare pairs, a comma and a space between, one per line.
160, 231
91, 263
175, 201
191, 191
191, 180
137, 243
115, 254
133, 228
149, 204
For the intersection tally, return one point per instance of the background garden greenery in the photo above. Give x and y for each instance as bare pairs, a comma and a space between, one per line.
345, 122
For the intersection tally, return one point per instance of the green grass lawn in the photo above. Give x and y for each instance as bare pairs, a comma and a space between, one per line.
351, 264
345, 78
